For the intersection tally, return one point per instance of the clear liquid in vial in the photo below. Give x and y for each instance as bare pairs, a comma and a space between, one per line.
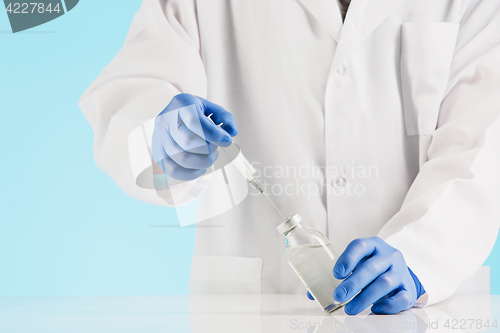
314, 266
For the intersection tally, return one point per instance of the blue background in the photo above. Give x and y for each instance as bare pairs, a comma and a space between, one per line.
66, 228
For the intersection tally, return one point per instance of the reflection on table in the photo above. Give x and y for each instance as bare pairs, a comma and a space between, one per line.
236, 314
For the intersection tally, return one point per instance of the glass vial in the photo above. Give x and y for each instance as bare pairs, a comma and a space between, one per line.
312, 257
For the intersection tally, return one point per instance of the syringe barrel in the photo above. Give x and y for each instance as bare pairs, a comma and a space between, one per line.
241, 163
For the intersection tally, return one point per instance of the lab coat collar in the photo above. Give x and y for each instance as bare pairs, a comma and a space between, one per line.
363, 17
327, 13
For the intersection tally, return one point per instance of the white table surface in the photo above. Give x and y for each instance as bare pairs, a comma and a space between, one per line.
234, 313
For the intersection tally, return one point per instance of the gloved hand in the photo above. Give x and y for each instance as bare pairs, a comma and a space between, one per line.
185, 141
380, 272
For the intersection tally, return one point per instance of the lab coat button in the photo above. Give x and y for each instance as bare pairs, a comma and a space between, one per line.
339, 182
341, 70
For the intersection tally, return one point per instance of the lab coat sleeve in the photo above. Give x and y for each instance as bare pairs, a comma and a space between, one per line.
449, 220
160, 59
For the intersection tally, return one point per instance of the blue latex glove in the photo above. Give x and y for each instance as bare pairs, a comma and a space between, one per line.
185, 141
380, 272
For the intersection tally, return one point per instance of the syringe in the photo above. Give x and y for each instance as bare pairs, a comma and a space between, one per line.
246, 169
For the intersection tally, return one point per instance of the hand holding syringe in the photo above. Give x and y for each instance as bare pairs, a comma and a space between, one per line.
185, 142
186, 139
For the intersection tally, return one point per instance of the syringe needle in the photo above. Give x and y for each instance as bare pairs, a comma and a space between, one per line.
257, 186
272, 203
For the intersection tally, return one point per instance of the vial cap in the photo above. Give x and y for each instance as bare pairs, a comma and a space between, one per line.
290, 223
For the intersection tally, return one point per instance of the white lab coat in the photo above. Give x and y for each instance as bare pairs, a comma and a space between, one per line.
402, 102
